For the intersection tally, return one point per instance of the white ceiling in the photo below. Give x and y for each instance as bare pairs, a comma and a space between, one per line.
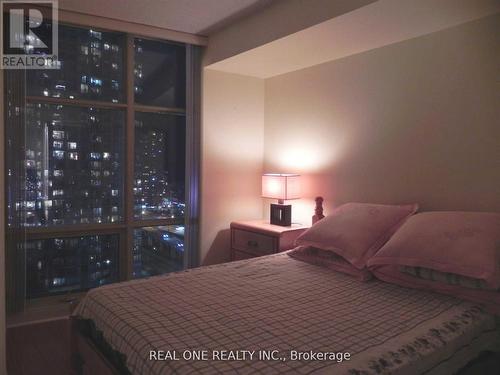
190, 16
375, 25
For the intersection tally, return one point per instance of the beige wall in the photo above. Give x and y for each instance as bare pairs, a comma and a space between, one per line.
232, 152
417, 121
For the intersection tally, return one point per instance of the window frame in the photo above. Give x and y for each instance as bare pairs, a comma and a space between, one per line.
125, 228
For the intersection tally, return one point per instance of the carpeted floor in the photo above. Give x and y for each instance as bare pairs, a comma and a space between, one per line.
40, 348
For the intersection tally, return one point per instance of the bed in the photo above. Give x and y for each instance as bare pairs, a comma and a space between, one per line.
279, 308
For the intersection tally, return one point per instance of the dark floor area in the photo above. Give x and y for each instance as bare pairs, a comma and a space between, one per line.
488, 363
39, 349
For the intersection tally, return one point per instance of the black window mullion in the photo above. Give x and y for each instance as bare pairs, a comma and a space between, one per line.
129, 162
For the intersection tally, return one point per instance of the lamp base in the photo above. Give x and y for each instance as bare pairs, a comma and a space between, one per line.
281, 214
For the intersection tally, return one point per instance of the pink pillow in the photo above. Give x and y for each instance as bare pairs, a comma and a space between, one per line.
391, 274
355, 231
445, 277
328, 259
461, 243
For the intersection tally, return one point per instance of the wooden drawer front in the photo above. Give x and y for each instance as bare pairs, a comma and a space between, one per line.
253, 242
240, 255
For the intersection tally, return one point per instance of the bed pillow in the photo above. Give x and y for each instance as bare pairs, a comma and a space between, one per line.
445, 277
328, 259
356, 231
466, 244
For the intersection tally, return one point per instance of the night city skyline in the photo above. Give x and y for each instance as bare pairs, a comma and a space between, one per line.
73, 171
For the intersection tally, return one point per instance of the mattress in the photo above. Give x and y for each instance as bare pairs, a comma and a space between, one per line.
278, 315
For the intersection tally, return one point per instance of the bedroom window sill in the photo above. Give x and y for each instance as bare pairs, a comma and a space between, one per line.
45, 309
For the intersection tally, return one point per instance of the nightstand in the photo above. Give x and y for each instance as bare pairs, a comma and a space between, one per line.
255, 238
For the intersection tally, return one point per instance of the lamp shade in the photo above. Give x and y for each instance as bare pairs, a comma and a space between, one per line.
281, 186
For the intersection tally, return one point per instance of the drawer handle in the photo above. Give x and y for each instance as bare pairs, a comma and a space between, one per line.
251, 243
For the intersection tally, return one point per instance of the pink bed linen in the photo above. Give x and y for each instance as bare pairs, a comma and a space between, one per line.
356, 231
392, 274
278, 303
328, 259
461, 243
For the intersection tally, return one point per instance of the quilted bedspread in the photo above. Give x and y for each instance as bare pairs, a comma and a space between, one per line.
277, 315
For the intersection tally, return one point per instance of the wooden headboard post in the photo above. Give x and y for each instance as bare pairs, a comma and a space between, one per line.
318, 211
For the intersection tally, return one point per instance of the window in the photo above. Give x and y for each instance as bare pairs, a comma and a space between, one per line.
159, 166
61, 265
96, 163
89, 68
158, 250
154, 60
62, 143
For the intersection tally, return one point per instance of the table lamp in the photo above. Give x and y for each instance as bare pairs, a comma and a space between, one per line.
281, 187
